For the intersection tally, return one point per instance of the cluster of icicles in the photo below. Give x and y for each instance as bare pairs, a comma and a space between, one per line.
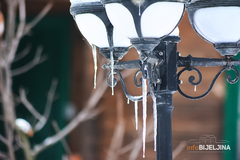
144, 100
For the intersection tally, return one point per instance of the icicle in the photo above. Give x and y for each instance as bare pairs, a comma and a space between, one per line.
136, 113
112, 68
144, 101
195, 88
155, 123
94, 52
128, 101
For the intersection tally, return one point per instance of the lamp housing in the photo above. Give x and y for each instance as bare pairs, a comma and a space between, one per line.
93, 23
217, 22
145, 22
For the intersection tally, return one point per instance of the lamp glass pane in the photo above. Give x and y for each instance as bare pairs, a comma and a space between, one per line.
93, 29
122, 19
218, 24
160, 18
119, 40
175, 32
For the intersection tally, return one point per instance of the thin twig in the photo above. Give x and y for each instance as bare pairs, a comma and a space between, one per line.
28, 105
64, 142
39, 17
48, 107
179, 149
38, 59
3, 139
3, 155
20, 30
23, 53
82, 116
118, 135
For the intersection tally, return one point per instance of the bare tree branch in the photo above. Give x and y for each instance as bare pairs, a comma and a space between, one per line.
42, 14
118, 135
179, 149
28, 105
82, 116
20, 30
36, 60
64, 142
23, 53
3, 155
48, 107
3, 139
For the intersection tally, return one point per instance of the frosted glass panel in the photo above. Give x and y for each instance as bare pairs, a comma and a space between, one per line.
160, 18
93, 29
119, 40
218, 24
121, 19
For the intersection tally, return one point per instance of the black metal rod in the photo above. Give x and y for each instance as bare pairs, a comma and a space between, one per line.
206, 62
164, 127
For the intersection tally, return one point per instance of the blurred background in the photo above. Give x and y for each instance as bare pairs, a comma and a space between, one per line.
111, 133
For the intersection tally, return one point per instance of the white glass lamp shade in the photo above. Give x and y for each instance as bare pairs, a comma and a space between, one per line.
120, 40
122, 19
93, 29
218, 24
158, 20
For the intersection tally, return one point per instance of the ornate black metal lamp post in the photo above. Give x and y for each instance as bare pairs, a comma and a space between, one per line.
150, 27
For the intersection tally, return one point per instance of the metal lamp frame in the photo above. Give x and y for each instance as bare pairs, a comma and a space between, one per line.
98, 10
223, 48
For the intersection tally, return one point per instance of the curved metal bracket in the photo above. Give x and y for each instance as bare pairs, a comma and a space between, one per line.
130, 97
192, 78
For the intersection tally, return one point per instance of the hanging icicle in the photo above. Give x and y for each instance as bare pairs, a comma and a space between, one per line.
128, 101
136, 113
144, 101
155, 122
112, 69
94, 53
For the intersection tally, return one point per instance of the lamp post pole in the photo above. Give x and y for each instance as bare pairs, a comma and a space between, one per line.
163, 91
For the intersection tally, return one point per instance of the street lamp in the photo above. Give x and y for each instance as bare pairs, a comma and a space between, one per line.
151, 26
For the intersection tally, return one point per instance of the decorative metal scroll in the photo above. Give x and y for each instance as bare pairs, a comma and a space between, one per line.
132, 98
192, 78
